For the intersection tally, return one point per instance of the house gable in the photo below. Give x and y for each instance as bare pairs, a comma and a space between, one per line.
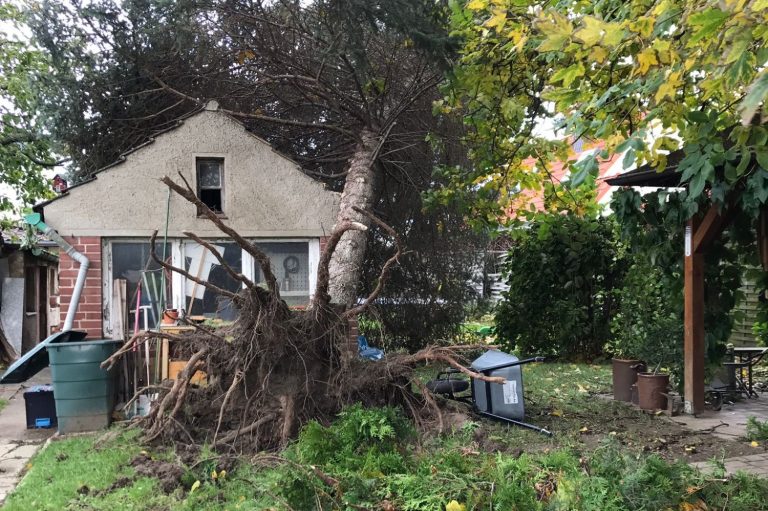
265, 193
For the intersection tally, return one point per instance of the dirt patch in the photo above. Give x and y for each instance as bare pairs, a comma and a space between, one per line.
585, 428
188, 453
167, 474
641, 432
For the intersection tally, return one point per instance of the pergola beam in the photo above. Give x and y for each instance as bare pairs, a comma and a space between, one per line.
700, 233
694, 351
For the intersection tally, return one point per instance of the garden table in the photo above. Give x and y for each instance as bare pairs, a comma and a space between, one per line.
748, 356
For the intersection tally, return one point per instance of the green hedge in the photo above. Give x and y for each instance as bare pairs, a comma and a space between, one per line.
561, 273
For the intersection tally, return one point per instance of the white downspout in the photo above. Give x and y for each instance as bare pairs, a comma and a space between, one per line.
35, 220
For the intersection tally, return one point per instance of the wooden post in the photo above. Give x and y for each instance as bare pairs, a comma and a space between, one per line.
694, 322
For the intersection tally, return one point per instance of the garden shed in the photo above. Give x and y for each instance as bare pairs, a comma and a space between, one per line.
29, 306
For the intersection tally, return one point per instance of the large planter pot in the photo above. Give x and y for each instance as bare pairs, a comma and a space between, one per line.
651, 389
624, 376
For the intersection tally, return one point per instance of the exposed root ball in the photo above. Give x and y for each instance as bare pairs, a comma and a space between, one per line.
274, 368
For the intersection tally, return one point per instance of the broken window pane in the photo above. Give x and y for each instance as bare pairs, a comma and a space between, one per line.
202, 264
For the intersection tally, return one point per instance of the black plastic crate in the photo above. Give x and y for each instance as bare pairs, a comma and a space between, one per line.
41, 407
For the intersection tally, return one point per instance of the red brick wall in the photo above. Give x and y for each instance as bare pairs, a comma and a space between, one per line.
353, 333
89, 314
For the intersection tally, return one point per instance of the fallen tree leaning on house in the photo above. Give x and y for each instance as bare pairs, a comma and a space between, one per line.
275, 368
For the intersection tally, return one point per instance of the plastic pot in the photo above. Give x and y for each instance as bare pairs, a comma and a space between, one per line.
624, 376
651, 389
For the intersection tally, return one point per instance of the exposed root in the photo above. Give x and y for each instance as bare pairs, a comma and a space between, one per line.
274, 368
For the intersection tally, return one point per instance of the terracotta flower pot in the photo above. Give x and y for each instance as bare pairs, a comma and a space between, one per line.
624, 376
650, 390
170, 316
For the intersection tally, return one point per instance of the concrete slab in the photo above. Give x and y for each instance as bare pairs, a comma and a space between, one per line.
17, 443
731, 421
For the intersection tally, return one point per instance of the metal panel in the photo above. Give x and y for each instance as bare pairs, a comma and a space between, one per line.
504, 400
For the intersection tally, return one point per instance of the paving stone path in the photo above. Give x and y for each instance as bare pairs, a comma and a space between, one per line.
17, 443
756, 464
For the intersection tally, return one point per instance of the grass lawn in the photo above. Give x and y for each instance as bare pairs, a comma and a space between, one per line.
3, 403
603, 456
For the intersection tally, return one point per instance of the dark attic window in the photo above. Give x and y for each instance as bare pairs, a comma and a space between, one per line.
210, 183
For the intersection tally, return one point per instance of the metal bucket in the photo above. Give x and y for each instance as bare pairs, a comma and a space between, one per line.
650, 391
624, 376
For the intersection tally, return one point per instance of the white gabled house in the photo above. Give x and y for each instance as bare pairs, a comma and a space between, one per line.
257, 191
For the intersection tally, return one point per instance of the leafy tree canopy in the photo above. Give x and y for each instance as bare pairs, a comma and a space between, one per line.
25, 149
646, 76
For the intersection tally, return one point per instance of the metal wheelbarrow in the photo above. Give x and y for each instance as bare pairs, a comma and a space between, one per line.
501, 402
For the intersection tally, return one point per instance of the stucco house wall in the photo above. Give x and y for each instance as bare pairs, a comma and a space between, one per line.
266, 194
266, 197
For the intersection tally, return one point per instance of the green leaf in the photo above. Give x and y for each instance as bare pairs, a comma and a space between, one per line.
738, 47
698, 117
583, 168
629, 159
595, 31
762, 157
569, 74
696, 185
741, 71
757, 93
558, 30
746, 157
707, 22
690, 165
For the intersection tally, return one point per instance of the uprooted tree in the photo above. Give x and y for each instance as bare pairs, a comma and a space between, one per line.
275, 368
345, 87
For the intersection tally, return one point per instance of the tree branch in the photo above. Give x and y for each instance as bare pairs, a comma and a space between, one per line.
446, 355
188, 275
261, 117
322, 297
258, 255
232, 273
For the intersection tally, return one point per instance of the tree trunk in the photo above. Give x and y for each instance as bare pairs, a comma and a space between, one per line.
359, 190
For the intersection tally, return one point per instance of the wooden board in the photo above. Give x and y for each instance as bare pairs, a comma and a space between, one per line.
164, 360
117, 315
694, 344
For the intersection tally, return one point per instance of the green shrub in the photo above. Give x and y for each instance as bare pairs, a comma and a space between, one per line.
739, 492
655, 484
362, 439
561, 273
757, 430
649, 323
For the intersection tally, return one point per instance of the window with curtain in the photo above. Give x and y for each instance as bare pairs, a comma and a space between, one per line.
290, 264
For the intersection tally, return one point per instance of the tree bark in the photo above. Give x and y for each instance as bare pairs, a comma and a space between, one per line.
359, 190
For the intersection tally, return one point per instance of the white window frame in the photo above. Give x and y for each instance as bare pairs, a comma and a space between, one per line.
313, 247
107, 282
178, 298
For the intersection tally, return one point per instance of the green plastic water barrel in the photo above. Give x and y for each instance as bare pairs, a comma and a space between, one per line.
84, 392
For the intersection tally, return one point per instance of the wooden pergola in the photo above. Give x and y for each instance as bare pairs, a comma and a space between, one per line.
700, 231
